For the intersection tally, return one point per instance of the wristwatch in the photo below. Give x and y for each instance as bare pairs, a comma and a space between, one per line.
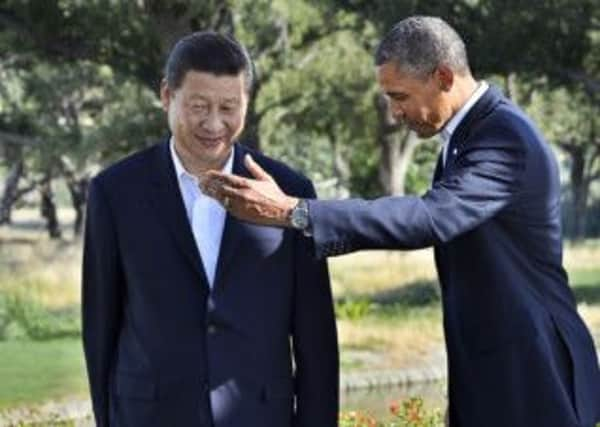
299, 216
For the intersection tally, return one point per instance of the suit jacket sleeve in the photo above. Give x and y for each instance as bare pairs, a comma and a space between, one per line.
101, 298
314, 337
484, 180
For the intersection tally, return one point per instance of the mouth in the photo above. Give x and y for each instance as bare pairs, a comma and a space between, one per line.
420, 128
210, 141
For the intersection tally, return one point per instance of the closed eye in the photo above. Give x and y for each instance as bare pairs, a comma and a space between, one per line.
397, 96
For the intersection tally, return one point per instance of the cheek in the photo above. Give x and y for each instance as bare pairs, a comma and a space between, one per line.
187, 121
235, 123
434, 117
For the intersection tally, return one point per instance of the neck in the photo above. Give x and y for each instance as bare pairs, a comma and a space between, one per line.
464, 88
195, 166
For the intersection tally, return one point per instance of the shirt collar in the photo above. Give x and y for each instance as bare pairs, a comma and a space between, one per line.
180, 169
453, 123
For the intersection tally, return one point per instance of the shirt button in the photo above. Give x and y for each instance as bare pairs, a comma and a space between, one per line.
212, 329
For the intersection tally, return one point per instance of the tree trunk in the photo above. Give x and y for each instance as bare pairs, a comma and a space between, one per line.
510, 86
48, 208
78, 191
579, 190
341, 169
173, 20
397, 145
9, 197
77, 187
251, 135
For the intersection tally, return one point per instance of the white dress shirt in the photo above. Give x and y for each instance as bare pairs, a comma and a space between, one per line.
205, 214
453, 123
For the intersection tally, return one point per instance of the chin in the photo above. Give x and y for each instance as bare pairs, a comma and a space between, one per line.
424, 134
217, 156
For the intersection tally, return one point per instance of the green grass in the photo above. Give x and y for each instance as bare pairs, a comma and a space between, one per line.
585, 276
387, 302
32, 372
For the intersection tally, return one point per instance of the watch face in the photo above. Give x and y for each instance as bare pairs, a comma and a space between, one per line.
299, 217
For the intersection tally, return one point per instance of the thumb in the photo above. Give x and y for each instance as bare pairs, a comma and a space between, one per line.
256, 171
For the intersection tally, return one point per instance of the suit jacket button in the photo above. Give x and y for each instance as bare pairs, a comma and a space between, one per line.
212, 329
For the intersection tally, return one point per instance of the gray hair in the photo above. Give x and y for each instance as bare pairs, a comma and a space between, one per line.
419, 44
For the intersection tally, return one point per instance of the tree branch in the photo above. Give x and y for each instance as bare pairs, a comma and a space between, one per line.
16, 139
280, 103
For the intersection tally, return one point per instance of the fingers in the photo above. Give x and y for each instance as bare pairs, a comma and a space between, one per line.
212, 182
218, 187
256, 171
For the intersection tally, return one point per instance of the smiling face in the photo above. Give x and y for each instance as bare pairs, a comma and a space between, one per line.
424, 105
206, 114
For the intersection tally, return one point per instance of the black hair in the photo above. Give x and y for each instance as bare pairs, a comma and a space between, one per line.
210, 52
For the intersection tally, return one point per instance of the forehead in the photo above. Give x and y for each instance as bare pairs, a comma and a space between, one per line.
212, 85
392, 79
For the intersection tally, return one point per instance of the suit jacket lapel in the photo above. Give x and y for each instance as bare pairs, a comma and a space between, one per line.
439, 167
482, 108
168, 202
232, 231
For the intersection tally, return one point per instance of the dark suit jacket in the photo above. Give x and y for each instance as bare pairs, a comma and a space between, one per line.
518, 353
162, 350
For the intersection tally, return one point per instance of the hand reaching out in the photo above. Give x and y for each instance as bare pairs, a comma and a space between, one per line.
258, 200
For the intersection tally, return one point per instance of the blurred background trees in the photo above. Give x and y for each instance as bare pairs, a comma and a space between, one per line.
79, 89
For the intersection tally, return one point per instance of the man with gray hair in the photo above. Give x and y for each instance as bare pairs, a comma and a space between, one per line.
519, 355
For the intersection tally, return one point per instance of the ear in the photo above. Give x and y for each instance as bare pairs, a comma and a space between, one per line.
165, 95
445, 77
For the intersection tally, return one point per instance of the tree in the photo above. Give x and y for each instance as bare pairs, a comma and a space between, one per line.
570, 122
502, 37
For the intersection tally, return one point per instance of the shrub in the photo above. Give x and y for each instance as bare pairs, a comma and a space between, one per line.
353, 309
20, 313
409, 413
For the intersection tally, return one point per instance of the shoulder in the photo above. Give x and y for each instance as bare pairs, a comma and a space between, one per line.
130, 168
291, 181
507, 124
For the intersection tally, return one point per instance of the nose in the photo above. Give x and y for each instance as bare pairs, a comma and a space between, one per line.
213, 123
397, 111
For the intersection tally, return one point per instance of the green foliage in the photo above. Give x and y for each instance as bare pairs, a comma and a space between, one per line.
83, 83
353, 309
408, 413
412, 413
420, 171
21, 317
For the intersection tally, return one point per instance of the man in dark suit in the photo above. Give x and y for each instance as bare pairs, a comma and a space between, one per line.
191, 317
519, 355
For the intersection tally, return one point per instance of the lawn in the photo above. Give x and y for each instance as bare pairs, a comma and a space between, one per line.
390, 314
388, 308
34, 371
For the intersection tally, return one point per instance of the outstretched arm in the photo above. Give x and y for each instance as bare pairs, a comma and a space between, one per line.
485, 180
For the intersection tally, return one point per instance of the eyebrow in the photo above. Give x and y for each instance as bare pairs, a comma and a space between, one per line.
201, 97
394, 94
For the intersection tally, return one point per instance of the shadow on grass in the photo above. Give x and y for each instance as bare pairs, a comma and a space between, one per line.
423, 294
392, 302
18, 241
417, 294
